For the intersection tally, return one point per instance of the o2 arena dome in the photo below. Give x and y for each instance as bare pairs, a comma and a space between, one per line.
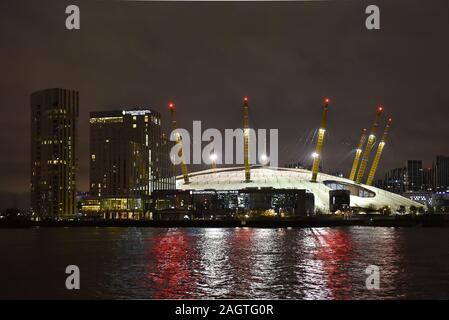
362, 197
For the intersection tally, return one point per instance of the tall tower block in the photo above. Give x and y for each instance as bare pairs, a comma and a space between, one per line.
54, 118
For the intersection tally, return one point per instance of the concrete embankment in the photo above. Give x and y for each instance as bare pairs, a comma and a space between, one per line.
435, 220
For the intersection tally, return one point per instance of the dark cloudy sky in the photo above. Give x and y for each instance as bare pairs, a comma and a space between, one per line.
205, 56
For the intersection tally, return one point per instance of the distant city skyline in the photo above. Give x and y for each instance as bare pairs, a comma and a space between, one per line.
413, 176
285, 60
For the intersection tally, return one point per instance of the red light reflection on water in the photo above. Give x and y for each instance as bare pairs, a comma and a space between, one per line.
333, 250
170, 268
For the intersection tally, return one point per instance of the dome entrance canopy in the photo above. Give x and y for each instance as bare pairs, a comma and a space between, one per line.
354, 189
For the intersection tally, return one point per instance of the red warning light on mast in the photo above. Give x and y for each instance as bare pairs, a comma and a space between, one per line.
327, 101
171, 105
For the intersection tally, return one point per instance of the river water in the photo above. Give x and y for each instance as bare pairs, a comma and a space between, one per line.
287, 263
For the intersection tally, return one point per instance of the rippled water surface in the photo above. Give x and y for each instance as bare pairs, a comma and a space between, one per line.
313, 263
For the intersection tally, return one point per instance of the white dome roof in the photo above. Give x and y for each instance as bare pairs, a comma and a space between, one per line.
286, 178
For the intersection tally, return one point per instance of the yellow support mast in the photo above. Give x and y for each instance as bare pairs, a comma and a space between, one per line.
246, 139
319, 144
185, 173
369, 145
358, 153
380, 148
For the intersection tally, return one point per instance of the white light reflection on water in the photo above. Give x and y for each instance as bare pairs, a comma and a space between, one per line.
316, 263
310, 271
214, 262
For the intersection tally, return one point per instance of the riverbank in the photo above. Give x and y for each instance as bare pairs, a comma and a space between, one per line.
434, 220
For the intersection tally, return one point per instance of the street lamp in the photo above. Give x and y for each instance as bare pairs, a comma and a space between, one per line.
264, 159
213, 159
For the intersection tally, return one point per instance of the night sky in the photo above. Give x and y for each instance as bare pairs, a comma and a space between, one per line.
286, 56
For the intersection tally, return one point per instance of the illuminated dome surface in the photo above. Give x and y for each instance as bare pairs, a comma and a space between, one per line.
362, 196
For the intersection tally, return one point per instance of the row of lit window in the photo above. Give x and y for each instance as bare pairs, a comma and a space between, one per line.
51, 141
155, 120
106, 120
99, 185
57, 162
58, 111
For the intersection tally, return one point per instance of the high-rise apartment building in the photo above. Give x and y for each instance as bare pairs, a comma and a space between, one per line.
428, 179
413, 175
441, 173
129, 159
54, 114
